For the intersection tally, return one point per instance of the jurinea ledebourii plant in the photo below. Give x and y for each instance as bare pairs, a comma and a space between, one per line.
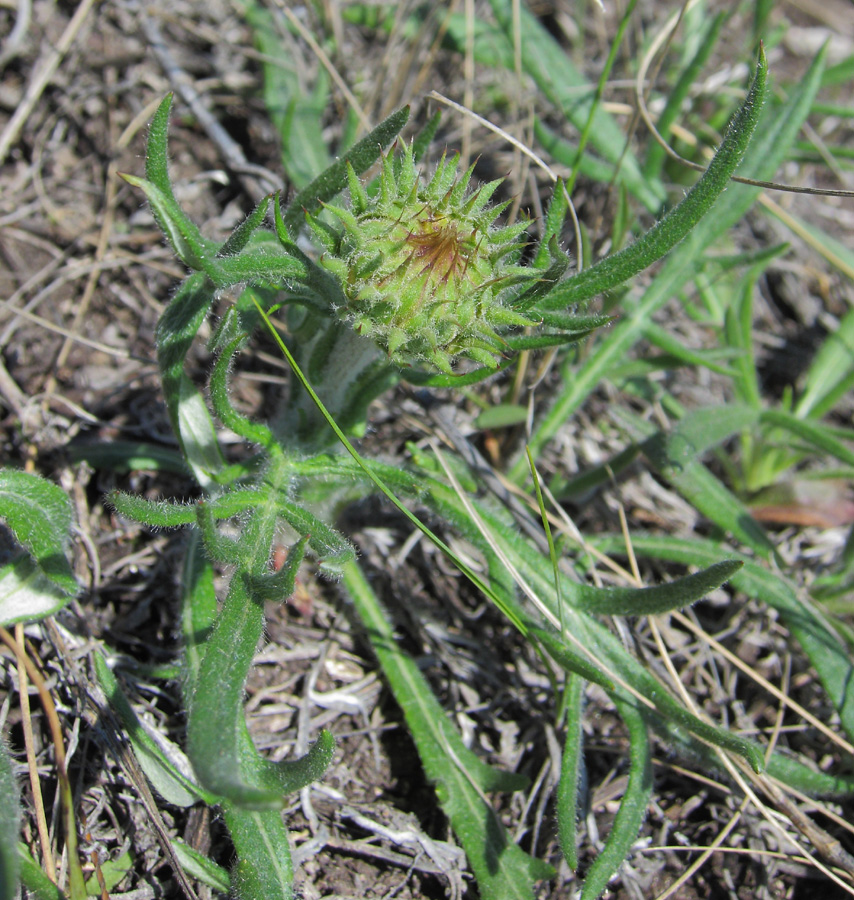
414, 277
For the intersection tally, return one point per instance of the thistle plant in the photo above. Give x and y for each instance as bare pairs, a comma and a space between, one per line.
412, 276
425, 272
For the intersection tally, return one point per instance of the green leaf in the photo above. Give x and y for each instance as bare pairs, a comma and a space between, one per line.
113, 870
675, 456
176, 332
502, 416
198, 610
820, 436
175, 786
197, 434
216, 724
156, 513
571, 771
201, 867
263, 869
827, 653
334, 179
26, 593
502, 869
10, 823
129, 456
190, 247
627, 823
34, 879
650, 601
241, 235
611, 658
676, 224
829, 374
40, 516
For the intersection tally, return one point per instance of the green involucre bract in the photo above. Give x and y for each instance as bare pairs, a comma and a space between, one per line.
424, 269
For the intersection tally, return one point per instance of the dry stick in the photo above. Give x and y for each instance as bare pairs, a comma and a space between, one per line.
183, 84
42, 78
32, 766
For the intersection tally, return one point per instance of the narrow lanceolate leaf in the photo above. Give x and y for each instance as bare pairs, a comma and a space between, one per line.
176, 332
216, 721
157, 513
650, 601
331, 182
190, 247
201, 867
571, 772
632, 811
175, 786
241, 235
263, 869
820, 436
10, 820
40, 516
503, 871
670, 230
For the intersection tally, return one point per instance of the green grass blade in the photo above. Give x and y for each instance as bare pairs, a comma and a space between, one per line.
676, 96
560, 82
502, 869
173, 785
127, 456
627, 823
829, 371
201, 867
820, 436
776, 131
619, 267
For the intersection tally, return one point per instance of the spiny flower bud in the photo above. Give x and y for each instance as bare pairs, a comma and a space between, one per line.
425, 272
